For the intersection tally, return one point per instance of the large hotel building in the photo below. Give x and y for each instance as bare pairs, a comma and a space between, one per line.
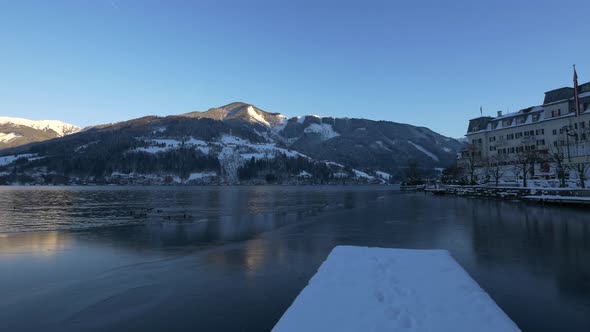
544, 129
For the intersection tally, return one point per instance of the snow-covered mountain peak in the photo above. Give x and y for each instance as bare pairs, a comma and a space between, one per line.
61, 128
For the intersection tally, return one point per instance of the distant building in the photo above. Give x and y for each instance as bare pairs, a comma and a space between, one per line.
545, 131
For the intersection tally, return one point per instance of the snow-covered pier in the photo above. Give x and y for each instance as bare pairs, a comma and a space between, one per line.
376, 289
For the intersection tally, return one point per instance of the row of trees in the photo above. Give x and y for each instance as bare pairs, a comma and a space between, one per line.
522, 165
273, 170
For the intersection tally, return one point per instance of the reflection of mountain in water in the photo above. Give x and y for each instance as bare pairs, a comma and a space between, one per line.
37, 244
225, 258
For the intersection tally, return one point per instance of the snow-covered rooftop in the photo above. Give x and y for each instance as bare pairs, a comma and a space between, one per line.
376, 289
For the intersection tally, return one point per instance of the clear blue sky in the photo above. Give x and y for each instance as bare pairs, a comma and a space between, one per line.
426, 63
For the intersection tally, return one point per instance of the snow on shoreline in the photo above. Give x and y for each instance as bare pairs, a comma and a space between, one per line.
377, 289
558, 198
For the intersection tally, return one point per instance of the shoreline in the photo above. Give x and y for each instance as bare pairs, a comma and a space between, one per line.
557, 196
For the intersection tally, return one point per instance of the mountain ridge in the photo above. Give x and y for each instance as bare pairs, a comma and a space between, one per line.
237, 142
19, 131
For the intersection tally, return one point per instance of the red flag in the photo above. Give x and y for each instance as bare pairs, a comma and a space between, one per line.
576, 96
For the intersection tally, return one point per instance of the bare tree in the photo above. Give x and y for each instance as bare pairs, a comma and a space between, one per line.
495, 168
557, 155
412, 171
472, 161
524, 163
575, 160
581, 168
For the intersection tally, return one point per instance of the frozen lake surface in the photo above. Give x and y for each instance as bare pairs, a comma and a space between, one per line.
235, 258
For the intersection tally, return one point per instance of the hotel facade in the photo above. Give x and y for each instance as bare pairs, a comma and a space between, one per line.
547, 130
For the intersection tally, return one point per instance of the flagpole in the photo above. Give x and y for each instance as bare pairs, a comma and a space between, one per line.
576, 96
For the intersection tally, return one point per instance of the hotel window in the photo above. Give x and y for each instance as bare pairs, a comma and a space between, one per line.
517, 135
540, 142
510, 136
576, 125
582, 125
554, 131
554, 143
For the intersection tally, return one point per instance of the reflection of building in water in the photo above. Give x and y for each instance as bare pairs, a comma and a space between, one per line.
554, 239
39, 244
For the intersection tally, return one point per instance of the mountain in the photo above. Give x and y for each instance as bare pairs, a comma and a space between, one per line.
239, 112
18, 131
235, 143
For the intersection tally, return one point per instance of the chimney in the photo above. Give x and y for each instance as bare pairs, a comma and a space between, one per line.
499, 113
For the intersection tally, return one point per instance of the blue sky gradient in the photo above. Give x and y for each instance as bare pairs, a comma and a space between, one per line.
428, 63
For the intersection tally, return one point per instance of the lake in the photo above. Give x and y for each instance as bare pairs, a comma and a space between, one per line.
234, 258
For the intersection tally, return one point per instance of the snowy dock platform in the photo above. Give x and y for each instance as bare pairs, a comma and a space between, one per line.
376, 289
564, 200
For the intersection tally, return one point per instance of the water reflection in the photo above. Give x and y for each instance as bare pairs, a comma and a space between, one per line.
242, 254
74, 208
544, 239
37, 244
